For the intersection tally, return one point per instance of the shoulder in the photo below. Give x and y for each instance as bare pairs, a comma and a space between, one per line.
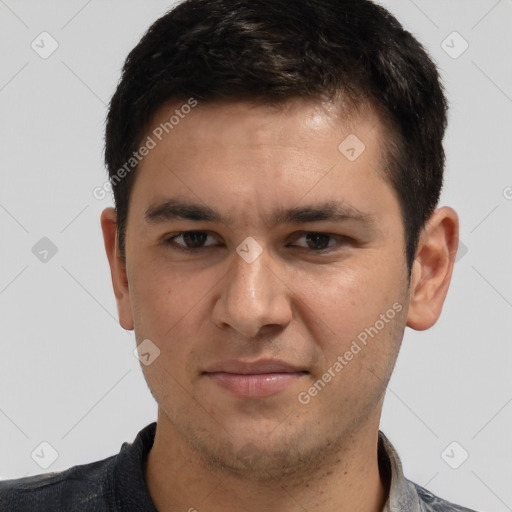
79, 488
435, 504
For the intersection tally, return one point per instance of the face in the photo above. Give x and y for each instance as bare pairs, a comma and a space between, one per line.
266, 264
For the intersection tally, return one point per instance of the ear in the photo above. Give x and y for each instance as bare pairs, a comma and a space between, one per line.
432, 268
117, 268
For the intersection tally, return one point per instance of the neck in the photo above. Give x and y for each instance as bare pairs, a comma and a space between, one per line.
347, 480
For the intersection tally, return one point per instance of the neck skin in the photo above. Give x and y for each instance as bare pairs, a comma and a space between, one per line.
349, 481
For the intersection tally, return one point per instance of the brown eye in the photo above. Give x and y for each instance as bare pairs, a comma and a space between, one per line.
318, 241
190, 240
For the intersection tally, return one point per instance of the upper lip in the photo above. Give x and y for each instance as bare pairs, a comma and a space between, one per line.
255, 367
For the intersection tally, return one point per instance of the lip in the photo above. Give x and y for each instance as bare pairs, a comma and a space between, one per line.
253, 367
256, 379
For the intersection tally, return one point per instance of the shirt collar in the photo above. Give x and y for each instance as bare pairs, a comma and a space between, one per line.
130, 487
402, 493
128, 483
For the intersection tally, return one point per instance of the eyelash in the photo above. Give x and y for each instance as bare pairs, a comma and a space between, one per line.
170, 242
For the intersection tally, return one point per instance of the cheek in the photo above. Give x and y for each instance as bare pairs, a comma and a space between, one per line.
166, 305
339, 305
162, 299
356, 321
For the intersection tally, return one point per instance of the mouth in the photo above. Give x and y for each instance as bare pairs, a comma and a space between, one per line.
256, 379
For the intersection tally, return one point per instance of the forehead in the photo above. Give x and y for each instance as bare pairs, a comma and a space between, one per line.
241, 158
296, 123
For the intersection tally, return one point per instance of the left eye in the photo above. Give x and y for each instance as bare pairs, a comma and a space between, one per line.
317, 241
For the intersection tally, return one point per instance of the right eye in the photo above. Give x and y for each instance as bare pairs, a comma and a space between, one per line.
189, 241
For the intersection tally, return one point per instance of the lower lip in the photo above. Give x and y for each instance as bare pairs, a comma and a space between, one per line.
254, 385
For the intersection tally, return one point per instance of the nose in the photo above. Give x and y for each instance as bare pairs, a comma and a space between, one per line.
254, 298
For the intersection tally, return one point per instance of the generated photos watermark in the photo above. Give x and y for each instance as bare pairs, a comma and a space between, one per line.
150, 143
305, 397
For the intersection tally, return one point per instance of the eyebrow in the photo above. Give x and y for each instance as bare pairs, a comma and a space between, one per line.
171, 209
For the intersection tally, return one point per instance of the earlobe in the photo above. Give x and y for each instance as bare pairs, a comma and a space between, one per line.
433, 268
117, 268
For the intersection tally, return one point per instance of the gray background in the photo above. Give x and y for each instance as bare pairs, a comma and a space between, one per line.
68, 374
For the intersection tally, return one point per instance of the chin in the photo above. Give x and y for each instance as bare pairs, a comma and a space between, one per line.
266, 458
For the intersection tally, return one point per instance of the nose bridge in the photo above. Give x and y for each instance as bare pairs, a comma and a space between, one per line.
252, 295
250, 276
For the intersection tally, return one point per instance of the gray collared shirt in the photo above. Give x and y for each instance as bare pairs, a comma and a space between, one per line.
404, 495
117, 484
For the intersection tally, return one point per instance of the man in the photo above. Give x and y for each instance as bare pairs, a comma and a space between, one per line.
276, 168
